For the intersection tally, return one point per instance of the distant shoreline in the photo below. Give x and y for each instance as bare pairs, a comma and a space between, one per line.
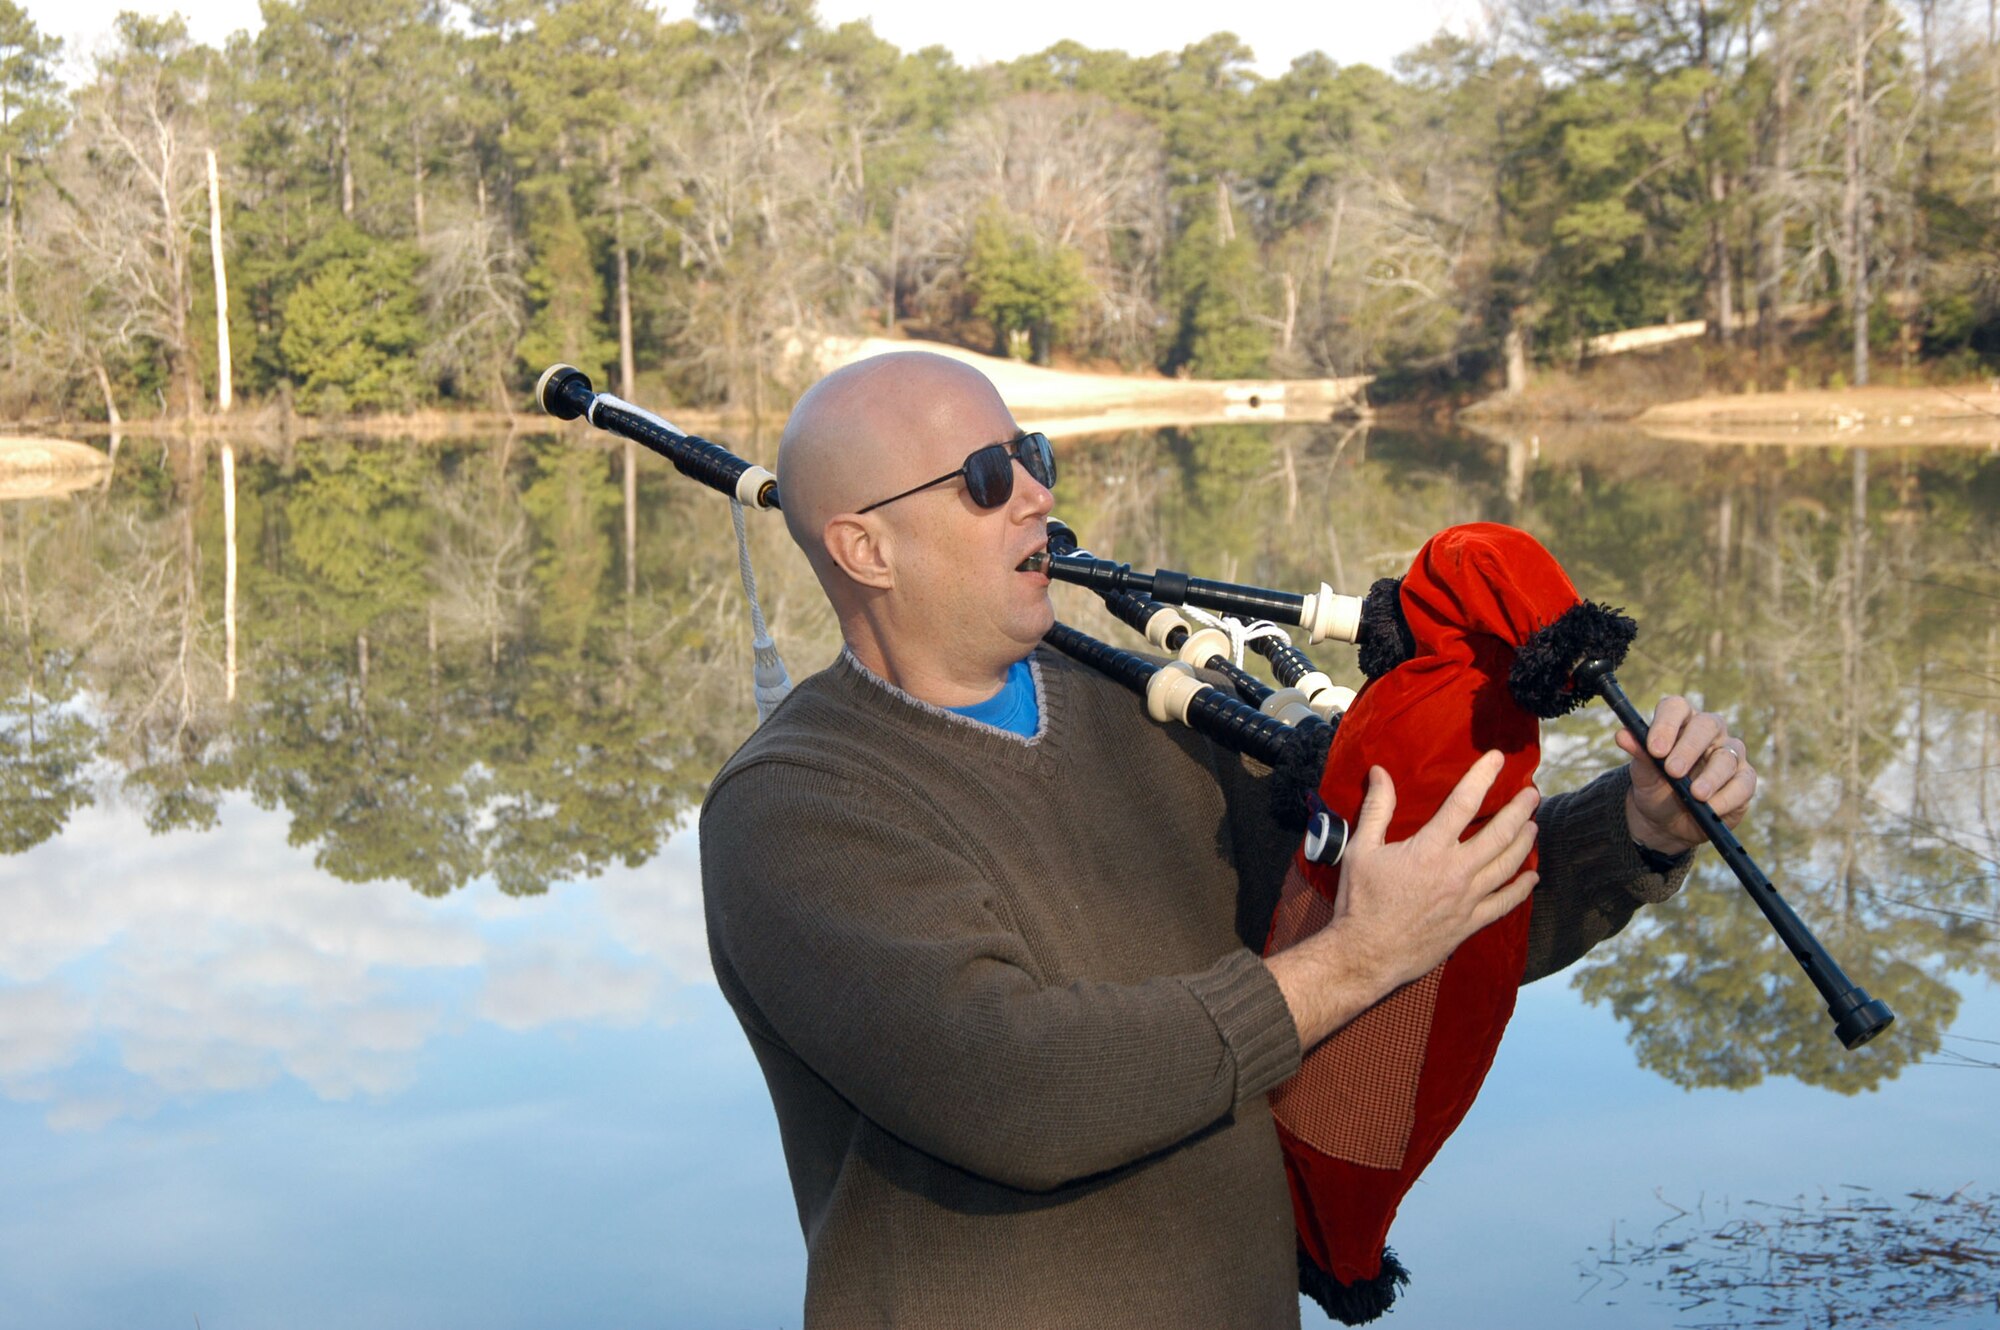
1068, 403
1059, 402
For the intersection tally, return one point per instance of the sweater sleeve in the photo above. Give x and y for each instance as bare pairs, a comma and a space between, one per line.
1592, 878
885, 961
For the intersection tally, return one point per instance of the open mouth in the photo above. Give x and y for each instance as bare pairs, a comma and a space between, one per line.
1038, 562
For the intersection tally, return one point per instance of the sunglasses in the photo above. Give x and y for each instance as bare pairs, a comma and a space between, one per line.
989, 472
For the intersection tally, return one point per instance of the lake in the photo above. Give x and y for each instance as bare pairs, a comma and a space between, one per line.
352, 969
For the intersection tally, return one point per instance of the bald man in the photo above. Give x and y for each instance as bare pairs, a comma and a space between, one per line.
992, 934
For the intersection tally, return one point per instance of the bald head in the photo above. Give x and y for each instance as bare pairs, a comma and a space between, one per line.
872, 428
929, 589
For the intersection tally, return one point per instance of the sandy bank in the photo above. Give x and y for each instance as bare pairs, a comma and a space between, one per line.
1966, 416
38, 468
1067, 402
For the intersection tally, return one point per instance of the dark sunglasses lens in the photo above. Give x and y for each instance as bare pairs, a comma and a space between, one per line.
1038, 458
989, 475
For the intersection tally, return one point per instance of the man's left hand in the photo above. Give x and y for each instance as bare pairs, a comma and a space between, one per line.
1691, 743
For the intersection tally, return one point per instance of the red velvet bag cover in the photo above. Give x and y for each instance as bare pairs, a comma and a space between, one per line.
1370, 1106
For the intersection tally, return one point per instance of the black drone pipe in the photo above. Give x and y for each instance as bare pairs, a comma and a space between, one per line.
565, 393
1137, 613
1287, 662
1857, 1018
1230, 721
1323, 614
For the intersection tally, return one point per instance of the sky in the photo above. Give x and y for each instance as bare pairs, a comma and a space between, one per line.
1351, 31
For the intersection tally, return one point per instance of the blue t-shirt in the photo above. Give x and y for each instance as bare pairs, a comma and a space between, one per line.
1013, 708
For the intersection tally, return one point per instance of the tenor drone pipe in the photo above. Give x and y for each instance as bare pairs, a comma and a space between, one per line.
1290, 664
564, 392
1322, 613
1857, 1018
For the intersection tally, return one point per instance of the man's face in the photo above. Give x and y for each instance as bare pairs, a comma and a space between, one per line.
958, 584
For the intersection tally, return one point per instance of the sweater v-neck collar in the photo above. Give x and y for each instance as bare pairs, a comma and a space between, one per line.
929, 716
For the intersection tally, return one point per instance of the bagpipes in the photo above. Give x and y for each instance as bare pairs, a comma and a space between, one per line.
1479, 642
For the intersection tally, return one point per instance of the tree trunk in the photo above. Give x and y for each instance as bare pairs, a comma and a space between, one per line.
361, 660
626, 372
346, 173
417, 176
110, 403
1515, 351
180, 355
1853, 612
1722, 292
13, 303
895, 261
1856, 195
1333, 230
228, 567
1771, 264
223, 389
631, 519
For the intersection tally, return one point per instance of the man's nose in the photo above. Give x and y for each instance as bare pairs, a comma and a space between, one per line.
1031, 496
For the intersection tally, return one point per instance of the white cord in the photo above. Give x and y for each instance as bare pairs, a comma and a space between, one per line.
770, 681
1241, 634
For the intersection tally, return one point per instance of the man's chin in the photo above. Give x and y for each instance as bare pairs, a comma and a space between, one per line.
1031, 635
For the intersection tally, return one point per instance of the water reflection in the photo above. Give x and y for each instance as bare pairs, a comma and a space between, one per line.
519, 661
1852, 1257
148, 970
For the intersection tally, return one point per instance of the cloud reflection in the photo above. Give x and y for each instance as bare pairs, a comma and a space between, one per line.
139, 969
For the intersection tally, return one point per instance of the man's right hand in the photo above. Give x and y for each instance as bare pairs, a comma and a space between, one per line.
1404, 907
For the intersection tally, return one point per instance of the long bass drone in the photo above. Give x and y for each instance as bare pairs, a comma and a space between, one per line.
1482, 639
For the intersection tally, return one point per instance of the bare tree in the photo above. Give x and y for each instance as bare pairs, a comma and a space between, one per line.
475, 298
136, 163
746, 190
1081, 174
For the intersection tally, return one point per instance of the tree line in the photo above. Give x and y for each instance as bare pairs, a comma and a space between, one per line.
422, 202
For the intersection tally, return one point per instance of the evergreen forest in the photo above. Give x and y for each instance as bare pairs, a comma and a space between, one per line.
420, 203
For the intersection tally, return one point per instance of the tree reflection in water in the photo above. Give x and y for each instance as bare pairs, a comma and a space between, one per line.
443, 673
493, 660
1848, 1258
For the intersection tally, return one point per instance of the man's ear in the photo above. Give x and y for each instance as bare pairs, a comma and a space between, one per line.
860, 548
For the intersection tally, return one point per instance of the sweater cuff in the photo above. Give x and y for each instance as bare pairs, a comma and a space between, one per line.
1596, 857
1241, 996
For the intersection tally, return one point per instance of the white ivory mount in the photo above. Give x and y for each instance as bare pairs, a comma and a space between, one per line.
1328, 614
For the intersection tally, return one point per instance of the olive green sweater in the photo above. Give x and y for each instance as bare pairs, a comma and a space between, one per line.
1005, 996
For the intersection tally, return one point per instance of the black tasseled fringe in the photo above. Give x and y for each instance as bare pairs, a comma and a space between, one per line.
1384, 639
1540, 677
1298, 772
1353, 1304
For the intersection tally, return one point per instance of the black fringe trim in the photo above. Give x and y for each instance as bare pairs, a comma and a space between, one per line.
1540, 678
1385, 640
1353, 1304
1298, 773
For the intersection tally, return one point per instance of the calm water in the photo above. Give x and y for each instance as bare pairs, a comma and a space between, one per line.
351, 958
